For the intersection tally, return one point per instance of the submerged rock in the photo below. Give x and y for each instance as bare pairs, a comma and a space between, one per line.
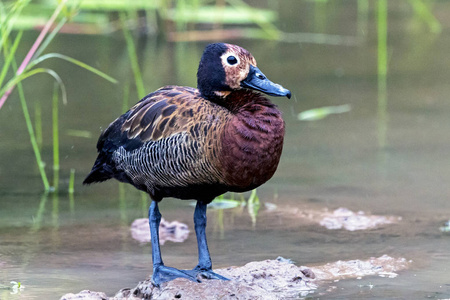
269, 279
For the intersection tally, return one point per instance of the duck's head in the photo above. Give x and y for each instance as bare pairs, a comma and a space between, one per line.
225, 68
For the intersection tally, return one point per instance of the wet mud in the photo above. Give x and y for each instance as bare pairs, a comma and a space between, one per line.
268, 279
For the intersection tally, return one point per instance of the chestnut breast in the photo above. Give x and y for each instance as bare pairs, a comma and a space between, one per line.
252, 142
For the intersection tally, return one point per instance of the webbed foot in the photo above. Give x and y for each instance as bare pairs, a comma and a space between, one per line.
163, 274
205, 273
209, 274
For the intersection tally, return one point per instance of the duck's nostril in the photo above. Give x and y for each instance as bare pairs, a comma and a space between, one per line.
260, 76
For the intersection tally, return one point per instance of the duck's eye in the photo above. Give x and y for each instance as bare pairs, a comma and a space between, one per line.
232, 60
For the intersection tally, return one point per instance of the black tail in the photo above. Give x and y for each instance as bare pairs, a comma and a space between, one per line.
100, 172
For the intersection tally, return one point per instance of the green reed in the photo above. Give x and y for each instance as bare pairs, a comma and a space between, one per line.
34, 144
253, 206
55, 138
423, 11
38, 123
9, 15
71, 189
132, 55
382, 9
362, 20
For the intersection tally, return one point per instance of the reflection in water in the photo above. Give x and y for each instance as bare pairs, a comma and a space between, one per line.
174, 231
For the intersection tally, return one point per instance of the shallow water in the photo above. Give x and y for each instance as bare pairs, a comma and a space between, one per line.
393, 165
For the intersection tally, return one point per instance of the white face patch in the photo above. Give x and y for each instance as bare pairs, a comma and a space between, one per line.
236, 68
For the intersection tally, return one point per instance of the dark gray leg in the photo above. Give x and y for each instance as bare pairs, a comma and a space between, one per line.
161, 273
154, 218
204, 267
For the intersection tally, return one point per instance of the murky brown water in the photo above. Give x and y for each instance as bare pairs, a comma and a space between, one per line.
57, 244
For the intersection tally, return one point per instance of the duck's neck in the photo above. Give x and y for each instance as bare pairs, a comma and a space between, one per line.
239, 101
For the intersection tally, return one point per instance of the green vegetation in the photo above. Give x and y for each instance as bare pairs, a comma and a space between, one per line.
322, 112
133, 57
382, 71
253, 204
11, 12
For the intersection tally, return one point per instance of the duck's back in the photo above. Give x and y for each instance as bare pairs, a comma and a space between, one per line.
176, 143
161, 145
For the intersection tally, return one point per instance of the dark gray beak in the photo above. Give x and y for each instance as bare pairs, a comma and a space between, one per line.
256, 80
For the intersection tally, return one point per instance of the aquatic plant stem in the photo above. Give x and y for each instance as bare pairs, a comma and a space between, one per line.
253, 206
362, 19
33, 49
382, 72
34, 144
38, 123
424, 12
23, 103
10, 56
55, 137
71, 184
133, 57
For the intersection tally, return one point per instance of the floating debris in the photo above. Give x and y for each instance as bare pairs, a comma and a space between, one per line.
270, 206
16, 287
446, 227
168, 231
383, 266
343, 218
322, 112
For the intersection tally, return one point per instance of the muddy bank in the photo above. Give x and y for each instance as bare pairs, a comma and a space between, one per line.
269, 279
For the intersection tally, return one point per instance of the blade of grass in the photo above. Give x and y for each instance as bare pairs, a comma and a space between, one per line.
34, 144
132, 55
50, 37
71, 191
73, 61
72, 182
33, 49
382, 20
362, 21
19, 78
424, 12
268, 27
38, 123
55, 210
55, 137
37, 219
10, 55
253, 206
9, 18
126, 96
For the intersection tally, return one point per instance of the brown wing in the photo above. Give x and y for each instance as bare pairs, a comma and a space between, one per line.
161, 114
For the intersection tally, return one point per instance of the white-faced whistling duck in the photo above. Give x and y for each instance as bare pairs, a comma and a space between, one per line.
197, 144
